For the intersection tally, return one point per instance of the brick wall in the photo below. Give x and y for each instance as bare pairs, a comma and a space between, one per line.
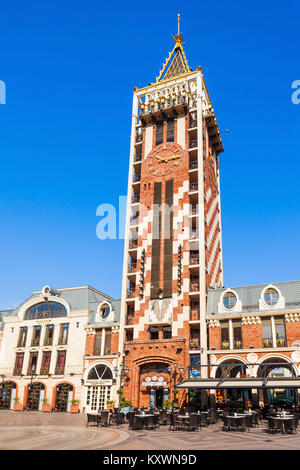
252, 336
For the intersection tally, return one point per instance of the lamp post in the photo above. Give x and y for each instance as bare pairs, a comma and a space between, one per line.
32, 372
121, 372
174, 373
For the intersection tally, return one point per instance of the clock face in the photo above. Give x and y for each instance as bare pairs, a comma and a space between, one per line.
164, 160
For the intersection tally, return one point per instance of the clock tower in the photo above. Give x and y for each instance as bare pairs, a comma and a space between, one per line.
173, 246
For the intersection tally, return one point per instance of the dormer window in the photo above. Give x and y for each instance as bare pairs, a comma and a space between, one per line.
104, 311
229, 300
271, 297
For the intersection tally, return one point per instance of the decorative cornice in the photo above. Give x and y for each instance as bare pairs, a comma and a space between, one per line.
292, 317
90, 331
213, 323
251, 320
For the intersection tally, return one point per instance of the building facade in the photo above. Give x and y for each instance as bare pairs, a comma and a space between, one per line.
44, 346
257, 329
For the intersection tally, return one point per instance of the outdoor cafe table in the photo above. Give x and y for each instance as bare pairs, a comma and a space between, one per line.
144, 417
183, 416
283, 420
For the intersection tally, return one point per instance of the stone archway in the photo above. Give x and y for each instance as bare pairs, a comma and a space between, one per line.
231, 367
277, 365
154, 384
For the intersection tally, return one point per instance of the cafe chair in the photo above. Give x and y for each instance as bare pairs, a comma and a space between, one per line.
150, 422
192, 424
92, 419
104, 419
175, 424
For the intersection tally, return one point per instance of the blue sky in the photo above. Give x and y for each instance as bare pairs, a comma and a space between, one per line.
70, 68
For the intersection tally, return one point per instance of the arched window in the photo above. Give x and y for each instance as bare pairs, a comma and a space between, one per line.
271, 296
100, 372
229, 300
46, 310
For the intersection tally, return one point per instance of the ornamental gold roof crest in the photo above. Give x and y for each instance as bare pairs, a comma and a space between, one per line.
176, 63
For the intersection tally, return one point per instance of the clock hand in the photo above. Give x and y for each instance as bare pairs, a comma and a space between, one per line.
173, 157
161, 159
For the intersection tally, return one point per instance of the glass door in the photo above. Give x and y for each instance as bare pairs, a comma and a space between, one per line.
35, 392
96, 398
62, 397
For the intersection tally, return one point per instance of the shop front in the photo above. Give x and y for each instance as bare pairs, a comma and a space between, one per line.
36, 393
7, 395
63, 397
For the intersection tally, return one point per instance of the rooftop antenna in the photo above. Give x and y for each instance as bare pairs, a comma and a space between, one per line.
178, 21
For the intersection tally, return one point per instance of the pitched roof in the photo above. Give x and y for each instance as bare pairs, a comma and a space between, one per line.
176, 63
250, 295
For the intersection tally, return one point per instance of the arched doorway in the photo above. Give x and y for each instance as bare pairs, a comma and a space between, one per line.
7, 395
277, 367
155, 384
64, 394
98, 387
36, 392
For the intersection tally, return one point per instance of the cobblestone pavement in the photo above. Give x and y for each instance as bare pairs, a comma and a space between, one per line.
55, 431
62, 431
210, 438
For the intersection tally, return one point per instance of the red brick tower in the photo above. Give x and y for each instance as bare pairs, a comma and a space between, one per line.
173, 248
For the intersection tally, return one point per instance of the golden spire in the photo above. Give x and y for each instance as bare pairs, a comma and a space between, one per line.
179, 64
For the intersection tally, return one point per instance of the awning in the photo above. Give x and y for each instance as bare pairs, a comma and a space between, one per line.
268, 382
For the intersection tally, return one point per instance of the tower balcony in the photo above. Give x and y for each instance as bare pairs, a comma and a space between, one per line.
213, 132
193, 124
194, 259
193, 209
193, 165
137, 158
193, 143
193, 186
135, 198
163, 108
195, 311
132, 267
131, 292
133, 244
129, 319
134, 220
139, 137
136, 178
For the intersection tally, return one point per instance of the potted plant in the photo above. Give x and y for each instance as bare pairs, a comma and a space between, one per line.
126, 405
167, 404
74, 408
18, 406
110, 405
46, 406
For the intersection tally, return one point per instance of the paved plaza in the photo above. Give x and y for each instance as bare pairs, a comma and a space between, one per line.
62, 431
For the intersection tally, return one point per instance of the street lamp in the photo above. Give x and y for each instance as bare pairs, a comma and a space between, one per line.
173, 375
120, 373
32, 372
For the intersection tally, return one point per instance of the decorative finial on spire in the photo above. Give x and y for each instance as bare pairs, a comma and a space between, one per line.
178, 38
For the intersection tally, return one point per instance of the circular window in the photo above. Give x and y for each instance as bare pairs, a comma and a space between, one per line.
271, 296
229, 300
104, 311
